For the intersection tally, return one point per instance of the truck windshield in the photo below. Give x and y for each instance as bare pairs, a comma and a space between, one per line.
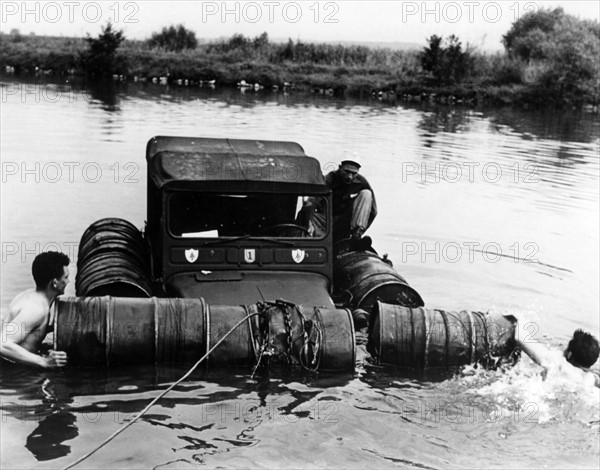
212, 215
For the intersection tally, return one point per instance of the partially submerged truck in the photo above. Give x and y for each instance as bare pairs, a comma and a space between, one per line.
226, 221
238, 237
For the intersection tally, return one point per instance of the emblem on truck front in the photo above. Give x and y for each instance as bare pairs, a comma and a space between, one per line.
191, 255
298, 255
249, 255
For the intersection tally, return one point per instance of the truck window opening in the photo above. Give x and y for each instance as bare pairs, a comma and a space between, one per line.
216, 215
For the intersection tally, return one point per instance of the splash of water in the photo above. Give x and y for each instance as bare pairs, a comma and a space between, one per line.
526, 388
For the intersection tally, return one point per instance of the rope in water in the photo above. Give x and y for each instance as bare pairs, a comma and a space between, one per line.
153, 402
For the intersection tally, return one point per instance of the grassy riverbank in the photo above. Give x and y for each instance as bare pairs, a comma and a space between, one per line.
329, 69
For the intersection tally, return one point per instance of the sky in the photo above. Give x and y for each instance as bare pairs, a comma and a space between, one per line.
478, 23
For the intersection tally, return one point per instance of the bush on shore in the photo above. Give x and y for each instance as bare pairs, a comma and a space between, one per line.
174, 39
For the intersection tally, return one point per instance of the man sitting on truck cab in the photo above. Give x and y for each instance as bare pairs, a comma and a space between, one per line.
354, 206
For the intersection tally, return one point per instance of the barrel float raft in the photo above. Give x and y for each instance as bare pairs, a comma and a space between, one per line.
424, 338
368, 279
112, 260
110, 331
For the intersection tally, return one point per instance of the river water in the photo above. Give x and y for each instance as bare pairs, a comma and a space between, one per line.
479, 209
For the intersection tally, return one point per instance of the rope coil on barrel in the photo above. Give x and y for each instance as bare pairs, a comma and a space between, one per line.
267, 347
287, 321
314, 326
311, 331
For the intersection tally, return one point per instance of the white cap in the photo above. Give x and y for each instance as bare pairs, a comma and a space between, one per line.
352, 158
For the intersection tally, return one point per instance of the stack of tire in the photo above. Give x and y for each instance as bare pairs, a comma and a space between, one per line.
113, 260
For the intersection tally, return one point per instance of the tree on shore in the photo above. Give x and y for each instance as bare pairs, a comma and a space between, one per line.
446, 61
100, 57
559, 53
526, 39
174, 39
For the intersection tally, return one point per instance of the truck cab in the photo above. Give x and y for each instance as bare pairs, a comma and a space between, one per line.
238, 221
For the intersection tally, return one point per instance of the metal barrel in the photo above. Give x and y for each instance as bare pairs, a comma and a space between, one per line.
368, 279
423, 338
108, 331
315, 338
237, 350
112, 260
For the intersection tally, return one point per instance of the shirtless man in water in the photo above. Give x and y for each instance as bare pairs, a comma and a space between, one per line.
27, 321
572, 364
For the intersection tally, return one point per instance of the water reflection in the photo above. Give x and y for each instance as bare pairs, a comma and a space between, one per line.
57, 424
107, 92
220, 400
46, 399
524, 150
563, 125
443, 119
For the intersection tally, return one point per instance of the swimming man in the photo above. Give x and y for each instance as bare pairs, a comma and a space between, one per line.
572, 364
28, 319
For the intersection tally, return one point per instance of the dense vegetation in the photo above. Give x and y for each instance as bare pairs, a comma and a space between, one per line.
556, 53
550, 58
174, 39
448, 64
